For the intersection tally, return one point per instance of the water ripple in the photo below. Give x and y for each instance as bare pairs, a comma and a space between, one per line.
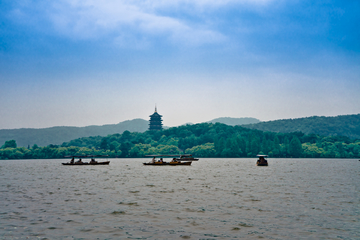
212, 199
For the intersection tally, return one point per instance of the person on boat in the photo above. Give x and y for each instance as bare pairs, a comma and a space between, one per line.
161, 160
72, 161
93, 161
80, 161
153, 160
261, 160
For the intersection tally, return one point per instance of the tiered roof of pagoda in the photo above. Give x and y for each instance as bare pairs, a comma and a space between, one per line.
155, 122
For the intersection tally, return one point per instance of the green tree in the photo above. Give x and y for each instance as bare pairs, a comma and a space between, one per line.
114, 146
340, 150
285, 147
167, 149
205, 150
104, 143
275, 152
125, 148
312, 150
219, 146
9, 144
295, 148
205, 140
356, 150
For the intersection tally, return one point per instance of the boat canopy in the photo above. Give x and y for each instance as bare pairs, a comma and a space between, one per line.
170, 155
85, 156
261, 155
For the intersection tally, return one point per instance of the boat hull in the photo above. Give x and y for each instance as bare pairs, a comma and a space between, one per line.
262, 164
187, 159
167, 163
85, 163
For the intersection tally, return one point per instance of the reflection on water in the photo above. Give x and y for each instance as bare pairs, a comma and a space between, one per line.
211, 199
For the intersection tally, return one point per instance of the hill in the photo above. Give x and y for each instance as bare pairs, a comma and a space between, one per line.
201, 140
234, 121
344, 125
57, 135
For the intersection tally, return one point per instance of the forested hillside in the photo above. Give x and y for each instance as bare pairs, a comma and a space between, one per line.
201, 140
346, 125
57, 135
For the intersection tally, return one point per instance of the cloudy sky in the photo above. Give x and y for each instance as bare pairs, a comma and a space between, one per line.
80, 63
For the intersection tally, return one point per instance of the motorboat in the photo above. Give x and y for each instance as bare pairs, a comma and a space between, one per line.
262, 161
187, 157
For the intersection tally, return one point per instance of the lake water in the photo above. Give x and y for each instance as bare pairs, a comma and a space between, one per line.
211, 199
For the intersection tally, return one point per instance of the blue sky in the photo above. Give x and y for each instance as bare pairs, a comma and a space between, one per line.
80, 63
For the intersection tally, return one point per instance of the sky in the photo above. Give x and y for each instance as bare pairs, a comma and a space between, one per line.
81, 63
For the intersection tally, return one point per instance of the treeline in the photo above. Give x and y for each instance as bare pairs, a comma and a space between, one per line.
201, 140
345, 125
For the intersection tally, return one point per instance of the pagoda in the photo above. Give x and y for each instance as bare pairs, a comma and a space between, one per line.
155, 123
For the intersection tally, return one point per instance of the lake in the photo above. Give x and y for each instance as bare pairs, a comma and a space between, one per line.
211, 199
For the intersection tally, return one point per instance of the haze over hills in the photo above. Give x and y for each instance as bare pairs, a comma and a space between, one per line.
235, 121
57, 135
347, 125
231, 121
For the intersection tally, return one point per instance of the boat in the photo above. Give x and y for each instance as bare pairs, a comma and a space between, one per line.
158, 160
187, 157
91, 162
262, 161
167, 163
87, 163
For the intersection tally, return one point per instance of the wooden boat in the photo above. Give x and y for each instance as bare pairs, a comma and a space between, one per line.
167, 163
87, 163
262, 161
187, 157
81, 163
158, 160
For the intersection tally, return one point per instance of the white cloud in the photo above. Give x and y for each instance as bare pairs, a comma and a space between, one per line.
156, 4
121, 20
90, 19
